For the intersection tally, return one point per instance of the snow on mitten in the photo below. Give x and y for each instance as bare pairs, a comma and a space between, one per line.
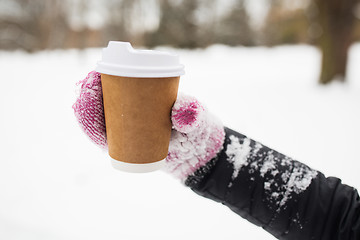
196, 138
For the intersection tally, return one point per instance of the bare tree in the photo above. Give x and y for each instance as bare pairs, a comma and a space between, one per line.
196, 23
234, 28
120, 16
337, 21
285, 25
177, 25
34, 25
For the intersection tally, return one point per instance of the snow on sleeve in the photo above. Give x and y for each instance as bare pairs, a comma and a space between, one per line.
269, 165
297, 181
238, 153
282, 176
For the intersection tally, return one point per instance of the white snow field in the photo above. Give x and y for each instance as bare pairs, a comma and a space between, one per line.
56, 184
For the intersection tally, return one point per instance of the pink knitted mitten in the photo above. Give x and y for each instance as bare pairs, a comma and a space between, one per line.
196, 138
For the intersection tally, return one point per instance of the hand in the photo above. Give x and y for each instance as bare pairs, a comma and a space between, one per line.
196, 138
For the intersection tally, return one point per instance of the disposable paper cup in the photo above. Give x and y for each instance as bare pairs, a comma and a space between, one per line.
139, 90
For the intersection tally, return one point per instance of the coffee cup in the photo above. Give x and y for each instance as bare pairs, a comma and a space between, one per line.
139, 90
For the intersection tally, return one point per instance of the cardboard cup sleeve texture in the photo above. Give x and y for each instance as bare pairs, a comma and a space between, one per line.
139, 91
137, 117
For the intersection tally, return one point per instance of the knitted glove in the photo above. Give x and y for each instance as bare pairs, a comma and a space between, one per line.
197, 136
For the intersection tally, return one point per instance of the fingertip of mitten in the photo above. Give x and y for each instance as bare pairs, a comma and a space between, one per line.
92, 81
187, 114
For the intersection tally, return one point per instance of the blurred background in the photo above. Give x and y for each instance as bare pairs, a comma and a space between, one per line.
285, 73
61, 24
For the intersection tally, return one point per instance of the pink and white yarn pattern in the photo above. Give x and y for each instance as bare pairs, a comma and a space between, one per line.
197, 136
89, 110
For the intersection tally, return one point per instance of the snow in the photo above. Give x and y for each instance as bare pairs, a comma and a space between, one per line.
269, 164
295, 177
237, 154
203, 139
297, 181
56, 184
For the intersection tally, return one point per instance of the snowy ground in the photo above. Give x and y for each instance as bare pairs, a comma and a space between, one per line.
56, 184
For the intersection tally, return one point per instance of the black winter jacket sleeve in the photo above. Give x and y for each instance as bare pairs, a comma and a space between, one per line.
283, 196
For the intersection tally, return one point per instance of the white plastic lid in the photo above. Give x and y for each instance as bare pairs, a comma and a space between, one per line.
120, 59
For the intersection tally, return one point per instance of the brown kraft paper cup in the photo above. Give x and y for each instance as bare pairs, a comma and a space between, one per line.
137, 117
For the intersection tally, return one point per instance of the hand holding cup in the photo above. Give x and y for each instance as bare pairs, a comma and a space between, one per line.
196, 135
132, 93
